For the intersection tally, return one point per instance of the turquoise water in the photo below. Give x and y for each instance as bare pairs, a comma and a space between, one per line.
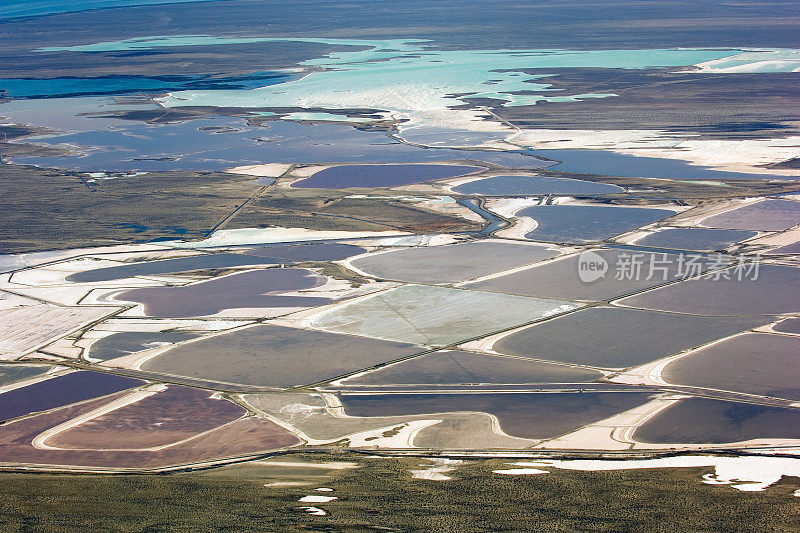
26, 8
66, 87
408, 75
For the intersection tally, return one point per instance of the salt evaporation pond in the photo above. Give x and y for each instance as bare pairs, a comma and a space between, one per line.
534, 185
614, 164
345, 176
584, 223
260, 255
128, 342
12, 373
700, 239
64, 390
253, 289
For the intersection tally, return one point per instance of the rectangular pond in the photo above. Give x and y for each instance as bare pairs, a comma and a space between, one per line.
586, 223
766, 215
699, 239
612, 337
755, 363
451, 263
773, 292
60, 391
614, 164
275, 356
435, 315
527, 415
457, 367
705, 421
627, 271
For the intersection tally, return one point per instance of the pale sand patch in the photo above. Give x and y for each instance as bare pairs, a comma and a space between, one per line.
519, 228
330, 465
317, 498
266, 170
508, 207
305, 172
316, 511
437, 470
747, 473
237, 237
24, 329
731, 155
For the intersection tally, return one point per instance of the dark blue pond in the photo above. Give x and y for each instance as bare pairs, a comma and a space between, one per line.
346, 176
74, 86
129, 146
534, 185
64, 390
695, 238
582, 223
614, 164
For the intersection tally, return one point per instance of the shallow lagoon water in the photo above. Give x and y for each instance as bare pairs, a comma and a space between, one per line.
24, 8
126, 145
75, 86
11, 373
584, 223
345, 176
534, 185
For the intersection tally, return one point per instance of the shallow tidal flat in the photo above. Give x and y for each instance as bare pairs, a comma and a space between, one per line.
705, 421
435, 315
613, 337
456, 367
128, 342
559, 278
453, 263
755, 363
773, 292
12, 373
586, 223
347, 176
766, 215
219, 143
526, 415
261, 255
275, 356
534, 185
699, 239
257, 288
